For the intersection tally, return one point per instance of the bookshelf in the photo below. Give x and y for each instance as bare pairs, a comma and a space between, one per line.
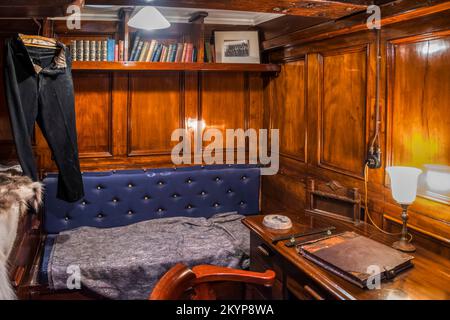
172, 66
195, 33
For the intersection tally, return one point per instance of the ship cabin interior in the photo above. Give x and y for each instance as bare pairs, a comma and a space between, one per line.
250, 150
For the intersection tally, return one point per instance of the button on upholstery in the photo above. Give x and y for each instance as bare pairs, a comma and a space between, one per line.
130, 185
130, 212
160, 209
160, 183
146, 197
244, 177
242, 203
100, 215
175, 195
217, 179
99, 187
189, 206
66, 218
229, 191
189, 180
203, 193
216, 204
115, 200
83, 203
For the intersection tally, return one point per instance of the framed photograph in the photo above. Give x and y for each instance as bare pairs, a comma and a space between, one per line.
237, 46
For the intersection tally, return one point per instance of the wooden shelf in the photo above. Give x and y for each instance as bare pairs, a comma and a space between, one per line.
172, 66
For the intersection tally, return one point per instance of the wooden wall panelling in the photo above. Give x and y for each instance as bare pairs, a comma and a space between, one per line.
419, 120
155, 109
225, 102
120, 96
94, 109
342, 118
418, 100
288, 109
419, 109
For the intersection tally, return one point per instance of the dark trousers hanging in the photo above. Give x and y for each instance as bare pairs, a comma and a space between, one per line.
39, 88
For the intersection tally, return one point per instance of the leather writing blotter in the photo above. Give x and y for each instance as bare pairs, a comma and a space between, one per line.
356, 258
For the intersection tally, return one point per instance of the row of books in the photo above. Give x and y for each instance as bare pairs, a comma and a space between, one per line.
155, 51
147, 51
210, 53
98, 50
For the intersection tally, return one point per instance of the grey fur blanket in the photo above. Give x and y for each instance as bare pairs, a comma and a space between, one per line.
17, 194
126, 262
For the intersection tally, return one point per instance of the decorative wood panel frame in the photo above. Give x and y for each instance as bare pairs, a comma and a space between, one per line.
301, 156
181, 115
246, 104
392, 46
322, 163
109, 130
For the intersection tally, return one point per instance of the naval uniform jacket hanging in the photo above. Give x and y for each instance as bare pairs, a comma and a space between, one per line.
39, 88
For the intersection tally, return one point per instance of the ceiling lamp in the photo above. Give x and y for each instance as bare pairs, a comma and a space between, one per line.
148, 18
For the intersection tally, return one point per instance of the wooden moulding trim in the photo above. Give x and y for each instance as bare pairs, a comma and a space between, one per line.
420, 230
302, 35
173, 66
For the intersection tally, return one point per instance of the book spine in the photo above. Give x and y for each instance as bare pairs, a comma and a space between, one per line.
208, 56
134, 48
163, 54
151, 49
116, 52
144, 51
86, 50
179, 52
104, 50
121, 50
194, 54
213, 53
126, 49
111, 45
80, 56
183, 54
138, 50
174, 53
190, 52
155, 53
92, 50
98, 52
151, 54
73, 50
159, 53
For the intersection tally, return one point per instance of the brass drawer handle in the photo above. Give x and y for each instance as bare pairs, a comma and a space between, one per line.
263, 250
313, 293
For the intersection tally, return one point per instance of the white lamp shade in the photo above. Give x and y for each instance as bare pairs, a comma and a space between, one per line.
404, 183
148, 18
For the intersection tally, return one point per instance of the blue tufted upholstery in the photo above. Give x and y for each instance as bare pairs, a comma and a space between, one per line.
123, 197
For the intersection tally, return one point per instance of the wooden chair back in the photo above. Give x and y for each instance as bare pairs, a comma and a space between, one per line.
181, 282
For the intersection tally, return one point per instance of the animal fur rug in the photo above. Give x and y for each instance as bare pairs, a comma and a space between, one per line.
17, 194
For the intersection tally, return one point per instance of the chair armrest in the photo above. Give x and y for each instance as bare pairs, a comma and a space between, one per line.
207, 273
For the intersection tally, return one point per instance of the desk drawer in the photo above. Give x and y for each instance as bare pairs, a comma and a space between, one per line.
300, 286
262, 257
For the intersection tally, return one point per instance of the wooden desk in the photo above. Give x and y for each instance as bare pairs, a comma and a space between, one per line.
299, 278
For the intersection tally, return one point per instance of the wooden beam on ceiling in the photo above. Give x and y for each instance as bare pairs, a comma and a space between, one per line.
309, 8
394, 12
36, 8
